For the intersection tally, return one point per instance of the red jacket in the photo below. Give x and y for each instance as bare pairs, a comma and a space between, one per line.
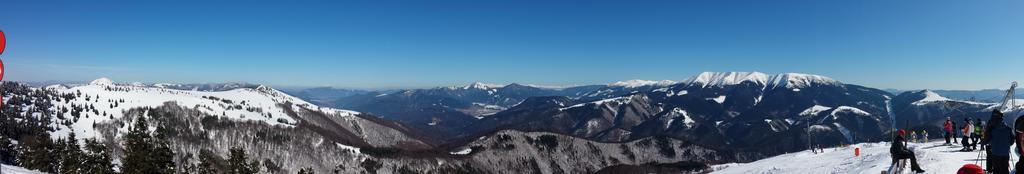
948, 126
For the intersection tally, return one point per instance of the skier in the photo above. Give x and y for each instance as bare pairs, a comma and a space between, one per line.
899, 151
998, 137
913, 137
956, 134
948, 127
976, 135
924, 136
966, 131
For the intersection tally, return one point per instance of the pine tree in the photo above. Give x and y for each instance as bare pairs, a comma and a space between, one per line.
162, 154
144, 153
208, 162
238, 163
95, 158
306, 170
7, 149
71, 155
37, 152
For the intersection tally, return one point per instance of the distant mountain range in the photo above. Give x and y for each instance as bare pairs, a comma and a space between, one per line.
709, 118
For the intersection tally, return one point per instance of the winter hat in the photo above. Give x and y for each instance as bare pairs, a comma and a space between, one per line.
970, 169
902, 132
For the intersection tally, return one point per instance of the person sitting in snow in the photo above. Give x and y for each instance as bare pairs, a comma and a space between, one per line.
899, 151
998, 137
966, 131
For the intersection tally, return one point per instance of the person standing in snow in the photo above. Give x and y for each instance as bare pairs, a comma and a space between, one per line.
998, 137
948, 127
966, 131
956, 133
899, 151
1018, 126
976, 135
913, 137
924, 136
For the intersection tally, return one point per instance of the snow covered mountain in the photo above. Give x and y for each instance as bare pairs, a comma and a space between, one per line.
290, 133
927, 110
446, 111
750, 111
323, 96
261, 119
632, 125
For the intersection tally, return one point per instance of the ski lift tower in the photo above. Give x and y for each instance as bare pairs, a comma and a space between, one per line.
1008, 103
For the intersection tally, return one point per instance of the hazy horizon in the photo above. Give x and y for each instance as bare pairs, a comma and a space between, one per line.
48, 82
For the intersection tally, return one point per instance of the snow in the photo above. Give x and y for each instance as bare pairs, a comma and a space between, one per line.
6, 169
661, 90
554, 87
797, 80
933, 157
846, 132
465, 151
786, 80
814, 110
929, 97
706, 79
619, 100
138, 84
263, 99
487, 106
820, 128
346, 147
102, 82
484, 86
641, 83
678, 113
682, 92
686, 117
719, 99
849, 109
56, 87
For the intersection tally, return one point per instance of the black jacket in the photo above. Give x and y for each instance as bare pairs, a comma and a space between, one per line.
899, 146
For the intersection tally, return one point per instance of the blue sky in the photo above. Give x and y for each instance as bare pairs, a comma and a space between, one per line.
934, 44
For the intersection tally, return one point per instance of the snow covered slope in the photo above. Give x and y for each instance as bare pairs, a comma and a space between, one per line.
933, 157
787, 80
110, 100
6, 169
639, 83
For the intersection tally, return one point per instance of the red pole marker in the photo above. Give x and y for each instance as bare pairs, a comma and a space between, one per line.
3, 43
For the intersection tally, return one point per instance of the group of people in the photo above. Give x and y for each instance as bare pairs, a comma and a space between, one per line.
918, 138
994, 137
969, 134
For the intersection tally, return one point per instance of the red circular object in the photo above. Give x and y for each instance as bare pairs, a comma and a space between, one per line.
3, 42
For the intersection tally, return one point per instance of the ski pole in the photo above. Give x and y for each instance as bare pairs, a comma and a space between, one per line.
978, 157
